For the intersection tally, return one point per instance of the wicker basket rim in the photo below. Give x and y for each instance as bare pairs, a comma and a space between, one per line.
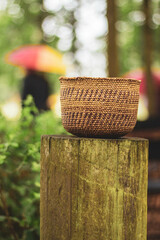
101, 78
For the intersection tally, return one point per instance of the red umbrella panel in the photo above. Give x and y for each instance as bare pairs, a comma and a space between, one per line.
37, 57
140, 75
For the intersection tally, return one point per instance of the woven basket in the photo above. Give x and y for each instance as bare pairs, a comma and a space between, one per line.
99, 107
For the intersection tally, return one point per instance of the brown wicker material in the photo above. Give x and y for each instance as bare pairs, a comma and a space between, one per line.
99, 107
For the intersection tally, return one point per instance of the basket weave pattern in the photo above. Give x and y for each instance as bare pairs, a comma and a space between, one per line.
99, 107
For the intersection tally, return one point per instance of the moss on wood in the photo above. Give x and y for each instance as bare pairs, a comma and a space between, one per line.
93, 189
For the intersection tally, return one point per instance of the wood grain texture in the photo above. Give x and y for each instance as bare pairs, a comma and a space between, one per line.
93, 189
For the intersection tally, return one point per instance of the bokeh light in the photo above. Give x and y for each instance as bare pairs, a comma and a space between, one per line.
3, 5
11, 109
143, 113
90, 28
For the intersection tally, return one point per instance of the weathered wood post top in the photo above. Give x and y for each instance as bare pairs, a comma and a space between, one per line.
93, 189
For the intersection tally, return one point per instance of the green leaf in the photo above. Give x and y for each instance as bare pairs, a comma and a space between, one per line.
2, 159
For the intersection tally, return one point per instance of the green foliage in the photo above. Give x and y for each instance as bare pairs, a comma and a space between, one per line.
20, 171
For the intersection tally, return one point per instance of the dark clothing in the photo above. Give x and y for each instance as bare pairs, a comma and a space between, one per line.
150, 123
151, 127
37, 86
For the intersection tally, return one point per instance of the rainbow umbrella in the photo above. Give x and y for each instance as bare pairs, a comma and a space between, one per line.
37, 57
140, 75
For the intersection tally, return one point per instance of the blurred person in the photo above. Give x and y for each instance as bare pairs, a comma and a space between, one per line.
36, 85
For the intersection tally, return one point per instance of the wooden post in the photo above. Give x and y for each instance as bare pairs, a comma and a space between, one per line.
93, 189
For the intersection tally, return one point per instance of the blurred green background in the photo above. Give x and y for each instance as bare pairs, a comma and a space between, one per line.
79, 30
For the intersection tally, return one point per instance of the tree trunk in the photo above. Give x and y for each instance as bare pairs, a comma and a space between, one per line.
151, 91
93, 189
112, 50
